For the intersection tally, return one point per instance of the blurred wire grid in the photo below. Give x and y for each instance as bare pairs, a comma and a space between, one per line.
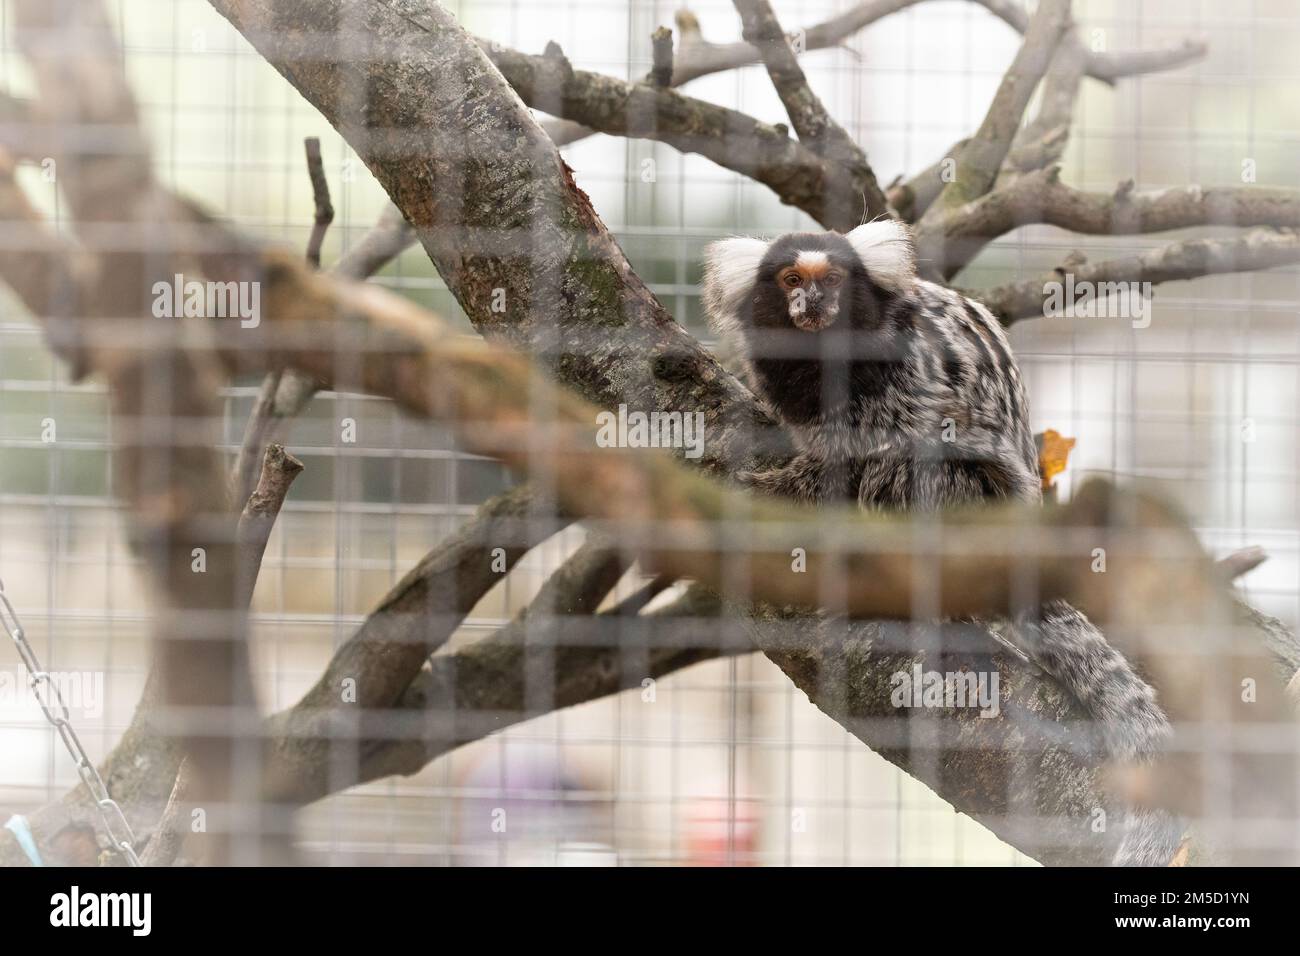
729, 750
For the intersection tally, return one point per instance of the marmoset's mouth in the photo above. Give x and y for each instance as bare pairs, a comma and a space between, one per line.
814, 321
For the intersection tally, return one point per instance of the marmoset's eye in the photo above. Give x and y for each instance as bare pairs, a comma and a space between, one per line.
792, 280
833, 279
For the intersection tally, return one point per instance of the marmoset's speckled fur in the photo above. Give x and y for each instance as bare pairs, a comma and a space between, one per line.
903, 394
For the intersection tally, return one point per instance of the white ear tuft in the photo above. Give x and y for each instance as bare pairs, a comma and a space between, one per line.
730, 267
886, 250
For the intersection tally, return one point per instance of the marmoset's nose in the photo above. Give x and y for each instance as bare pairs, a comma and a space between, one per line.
814, 293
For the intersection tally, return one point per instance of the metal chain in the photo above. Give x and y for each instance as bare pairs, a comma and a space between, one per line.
119, 831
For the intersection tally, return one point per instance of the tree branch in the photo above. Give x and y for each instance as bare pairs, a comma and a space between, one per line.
164, 399
729, 138
1188, 259
1040, 197
815, 126
982, 156
320, 191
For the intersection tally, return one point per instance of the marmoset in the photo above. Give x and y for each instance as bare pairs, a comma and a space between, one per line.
904, 395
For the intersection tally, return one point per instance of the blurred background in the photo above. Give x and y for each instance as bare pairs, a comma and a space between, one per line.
728, 762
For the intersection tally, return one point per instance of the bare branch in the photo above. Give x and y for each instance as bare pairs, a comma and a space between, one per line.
320, 191
982, 156
729, 138
952, 241
1242, 562
1042, 141
1110, 67
257, 434
383, 243
1189, 259
815, 126
697, 57
661, 73
279, 469
911, 197
167, 467
173, 826
484, 688
413, 620
1107, 67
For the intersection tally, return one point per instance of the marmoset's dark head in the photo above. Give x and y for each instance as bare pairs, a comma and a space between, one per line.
810, 282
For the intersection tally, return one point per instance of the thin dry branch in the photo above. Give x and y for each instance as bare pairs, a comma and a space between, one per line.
279, 469
696, 56
320, 192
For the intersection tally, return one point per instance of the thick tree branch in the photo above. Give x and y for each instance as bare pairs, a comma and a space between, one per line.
495, 207
315, 740
437, 51
164, 399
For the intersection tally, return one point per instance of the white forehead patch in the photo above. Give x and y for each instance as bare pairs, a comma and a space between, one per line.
812, 260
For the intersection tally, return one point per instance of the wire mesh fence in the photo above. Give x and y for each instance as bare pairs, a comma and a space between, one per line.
657, 752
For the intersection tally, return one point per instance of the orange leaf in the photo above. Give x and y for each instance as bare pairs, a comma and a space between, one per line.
1053, 455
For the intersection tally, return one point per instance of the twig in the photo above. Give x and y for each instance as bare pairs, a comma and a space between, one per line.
1242, 562
279, 469
320, 192
170, 833
661, 73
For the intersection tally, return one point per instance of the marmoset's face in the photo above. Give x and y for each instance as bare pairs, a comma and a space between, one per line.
811, 285
805, 282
